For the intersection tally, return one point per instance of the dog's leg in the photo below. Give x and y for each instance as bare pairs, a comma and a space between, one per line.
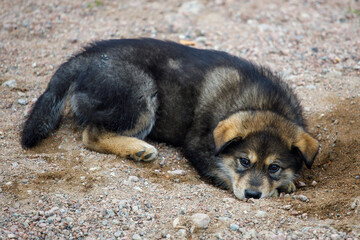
129, 147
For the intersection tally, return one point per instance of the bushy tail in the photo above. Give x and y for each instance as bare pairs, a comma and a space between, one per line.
47, 111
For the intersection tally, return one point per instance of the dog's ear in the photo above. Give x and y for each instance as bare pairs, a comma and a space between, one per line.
307, 147
225, 133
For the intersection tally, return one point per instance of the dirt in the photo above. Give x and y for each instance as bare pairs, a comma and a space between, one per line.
313, 45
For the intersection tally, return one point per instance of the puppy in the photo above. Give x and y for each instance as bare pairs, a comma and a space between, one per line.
238, 124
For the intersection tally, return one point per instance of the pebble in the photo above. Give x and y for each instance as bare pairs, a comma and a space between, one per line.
11, 235
234, 227
334, 236
51, 212
133, 179
354, 204
177, 172
250, 234
314, 183
315, 49
219, 236
94, 169
176, 222
191, 7
287, 207
200, 220
301, 184
261, 214
182, 232
136, 237
138, 189
23, 101
303, 198
118, 234
51, 219
10, 84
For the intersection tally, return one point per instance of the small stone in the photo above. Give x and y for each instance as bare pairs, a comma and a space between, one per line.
219, 236
23, 101
34, 65
136, 237
261, 214
191, 7
200, 220
51, 212
287, 207
301, 184
334, 236
314, 183
303, 198
229, 200
315, 49
11, 235
294, 213
234, 227
224, 219
43, 225
177, 172
118, 234
10, 84
104, 222
354, 204
51, 219
251, 234
138, 189
133, 179
176, 222
182, 232
94, 169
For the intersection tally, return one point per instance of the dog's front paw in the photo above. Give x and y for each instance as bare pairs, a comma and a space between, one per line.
288, 188
145, 152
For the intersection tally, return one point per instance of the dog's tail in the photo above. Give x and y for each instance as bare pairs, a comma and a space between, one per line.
47, 111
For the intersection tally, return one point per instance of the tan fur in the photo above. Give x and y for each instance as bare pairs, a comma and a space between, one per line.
308, 147
241, 124
253, 157
270, 159
120, 145
239, 185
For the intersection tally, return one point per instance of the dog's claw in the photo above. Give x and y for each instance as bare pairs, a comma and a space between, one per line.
147, 156
147, 153
138, 154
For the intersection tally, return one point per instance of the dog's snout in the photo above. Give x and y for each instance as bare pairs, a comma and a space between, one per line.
249, 193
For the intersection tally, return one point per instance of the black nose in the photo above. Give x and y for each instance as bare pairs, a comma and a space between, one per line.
252, 194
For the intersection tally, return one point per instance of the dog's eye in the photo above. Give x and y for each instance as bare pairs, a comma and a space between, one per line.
273, 168
245, 162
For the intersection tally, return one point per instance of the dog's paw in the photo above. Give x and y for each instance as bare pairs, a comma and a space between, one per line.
144, 152
289, 188
275, 193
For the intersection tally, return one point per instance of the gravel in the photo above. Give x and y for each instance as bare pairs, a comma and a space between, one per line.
234, 227
200, 220
61, 190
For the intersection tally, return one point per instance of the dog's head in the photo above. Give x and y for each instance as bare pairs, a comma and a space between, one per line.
261, 152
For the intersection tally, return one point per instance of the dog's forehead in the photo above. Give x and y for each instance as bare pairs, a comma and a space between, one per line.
263, 147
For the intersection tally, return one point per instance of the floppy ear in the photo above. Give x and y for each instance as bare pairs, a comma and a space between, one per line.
225, 133
307, 147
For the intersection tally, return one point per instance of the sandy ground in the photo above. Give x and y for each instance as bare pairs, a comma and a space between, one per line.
61, 190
